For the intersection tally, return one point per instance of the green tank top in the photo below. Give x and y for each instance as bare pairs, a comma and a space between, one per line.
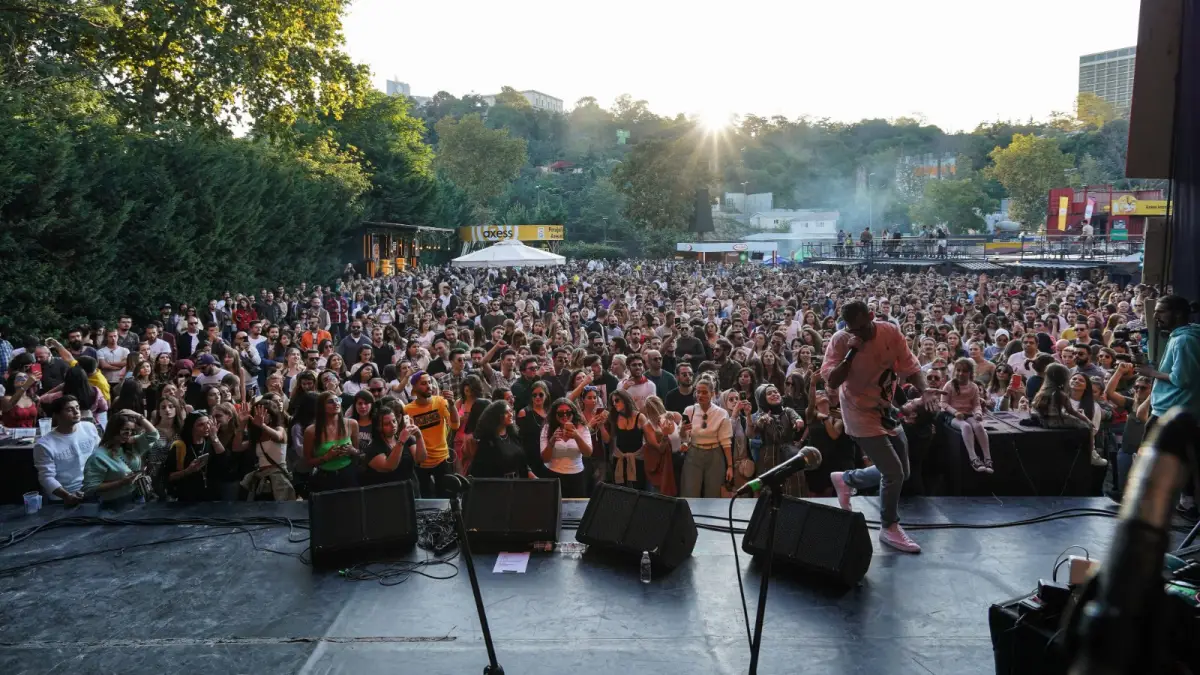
336, 464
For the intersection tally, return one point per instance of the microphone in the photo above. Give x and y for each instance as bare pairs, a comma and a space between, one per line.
453, 483
1112, 633
807, 459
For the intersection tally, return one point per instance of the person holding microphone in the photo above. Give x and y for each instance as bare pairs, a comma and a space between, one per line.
866, 361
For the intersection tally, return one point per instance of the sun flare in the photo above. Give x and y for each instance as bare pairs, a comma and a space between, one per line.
714, 120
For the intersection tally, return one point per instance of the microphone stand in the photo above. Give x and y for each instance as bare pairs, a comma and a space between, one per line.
493, 667
775, 496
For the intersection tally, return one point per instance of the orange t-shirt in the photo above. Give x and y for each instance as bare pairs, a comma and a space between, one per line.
433, 418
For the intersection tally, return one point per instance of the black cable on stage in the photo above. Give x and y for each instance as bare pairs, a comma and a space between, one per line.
738, 566
436, 533
120, 550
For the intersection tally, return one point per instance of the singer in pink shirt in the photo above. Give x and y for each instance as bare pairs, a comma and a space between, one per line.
866, 361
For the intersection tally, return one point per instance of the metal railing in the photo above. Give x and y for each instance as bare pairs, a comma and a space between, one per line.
907, 248
1065, 247
1060, 247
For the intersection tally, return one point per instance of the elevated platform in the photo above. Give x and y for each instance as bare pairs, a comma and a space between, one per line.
217, 605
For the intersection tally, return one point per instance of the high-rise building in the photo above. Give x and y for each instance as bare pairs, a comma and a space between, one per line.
395, 87
1109, 75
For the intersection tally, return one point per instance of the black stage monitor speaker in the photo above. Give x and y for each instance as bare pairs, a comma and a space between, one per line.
361, 524
630, 521
510, 514
814, 538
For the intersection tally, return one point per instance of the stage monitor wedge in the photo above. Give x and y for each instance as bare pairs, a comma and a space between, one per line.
357, 525
630, 521
511, 514
818, 540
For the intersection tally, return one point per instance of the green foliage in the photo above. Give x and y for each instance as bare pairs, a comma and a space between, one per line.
579, 250
1093, 111
389, 144
98, 219
207, 63
659, 180
479, 160
512, 98
1028, 169
958, 204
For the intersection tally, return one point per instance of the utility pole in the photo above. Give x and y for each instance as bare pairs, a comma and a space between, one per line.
605, 229
870, 205
746, 202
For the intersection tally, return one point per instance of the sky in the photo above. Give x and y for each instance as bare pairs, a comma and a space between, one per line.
951, 62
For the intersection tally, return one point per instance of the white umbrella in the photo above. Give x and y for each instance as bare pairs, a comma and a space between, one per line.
509, 253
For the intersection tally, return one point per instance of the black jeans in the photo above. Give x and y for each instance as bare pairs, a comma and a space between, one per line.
428, 480
322, 481
573, 485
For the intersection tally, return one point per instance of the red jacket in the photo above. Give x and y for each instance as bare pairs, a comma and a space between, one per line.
244, 317
338, 308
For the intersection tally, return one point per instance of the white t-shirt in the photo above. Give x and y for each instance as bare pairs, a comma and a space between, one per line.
112, 356
640, 392
272, 449
204, 380
159, 347
59, 458
567, 455
1017, 362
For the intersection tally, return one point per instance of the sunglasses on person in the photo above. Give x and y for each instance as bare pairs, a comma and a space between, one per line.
564, 413
539, 395
376, 390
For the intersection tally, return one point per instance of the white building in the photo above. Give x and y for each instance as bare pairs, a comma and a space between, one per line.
752, 203
794, 228
806, 222
536, 99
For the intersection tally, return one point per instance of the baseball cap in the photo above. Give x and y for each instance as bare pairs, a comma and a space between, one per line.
206, 360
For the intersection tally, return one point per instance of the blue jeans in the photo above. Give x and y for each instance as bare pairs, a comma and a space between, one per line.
890, 455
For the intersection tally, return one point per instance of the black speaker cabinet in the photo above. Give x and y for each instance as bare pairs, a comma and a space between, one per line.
814, 539
358, 525
510, 514
629, 521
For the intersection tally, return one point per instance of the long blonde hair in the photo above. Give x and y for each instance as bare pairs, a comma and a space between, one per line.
654, 410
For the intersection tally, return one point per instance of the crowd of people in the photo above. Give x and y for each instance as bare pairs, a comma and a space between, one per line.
669, 376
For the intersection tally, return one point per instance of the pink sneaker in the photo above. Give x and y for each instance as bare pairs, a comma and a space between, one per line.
843, 491
897, 538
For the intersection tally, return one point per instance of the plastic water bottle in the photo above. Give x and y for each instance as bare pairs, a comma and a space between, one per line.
645, 567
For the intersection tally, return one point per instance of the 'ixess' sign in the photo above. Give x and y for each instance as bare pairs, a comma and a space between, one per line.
493, 233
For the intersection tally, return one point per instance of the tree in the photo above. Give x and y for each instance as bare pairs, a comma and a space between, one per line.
479, 160
99, 219
451, 208
958, 204
659, 180
1028, 169
512, 98
210, 64
388, 142
1093, 111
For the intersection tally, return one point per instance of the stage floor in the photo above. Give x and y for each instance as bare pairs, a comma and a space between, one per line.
218, 606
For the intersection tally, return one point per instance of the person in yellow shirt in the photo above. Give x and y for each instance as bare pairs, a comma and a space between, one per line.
436, 418
90, 366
